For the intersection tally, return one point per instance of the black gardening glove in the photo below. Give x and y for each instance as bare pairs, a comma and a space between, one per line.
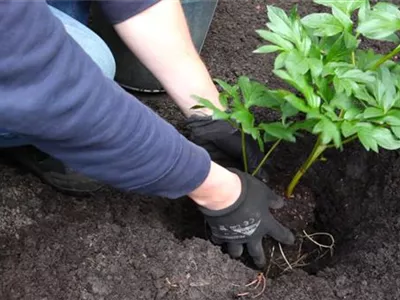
248, 220
224, 143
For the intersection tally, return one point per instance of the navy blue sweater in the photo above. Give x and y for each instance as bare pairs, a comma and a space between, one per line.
52, 92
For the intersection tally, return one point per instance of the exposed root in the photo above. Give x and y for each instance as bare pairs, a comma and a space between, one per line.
284, 256
260, 281
301, 260
330, 247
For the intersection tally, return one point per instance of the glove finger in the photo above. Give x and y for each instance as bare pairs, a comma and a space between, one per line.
235, 250
279, 232
256, 251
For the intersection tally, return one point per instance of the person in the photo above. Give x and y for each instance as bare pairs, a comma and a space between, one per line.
65, 118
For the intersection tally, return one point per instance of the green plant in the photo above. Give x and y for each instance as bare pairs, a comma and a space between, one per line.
338, 91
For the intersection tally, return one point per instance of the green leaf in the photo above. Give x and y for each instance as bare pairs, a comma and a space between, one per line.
306, 125
268, 49
365, 59
275, 39
323, 24
391, 118
350, 41
352, 113
278, 130
288, 110
347, 6
380, 23
343, 18
338, 50
396, 131
316, 67
385, 138
373, 112
260, 143
280, 22
384, 89
296, 62
297, 103
348, 129
342, 101
329, 131
217, 113
358, 76
280, 60
246, 120
366, 136
361, 93
330, 68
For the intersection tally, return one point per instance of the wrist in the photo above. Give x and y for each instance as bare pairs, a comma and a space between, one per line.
221, 189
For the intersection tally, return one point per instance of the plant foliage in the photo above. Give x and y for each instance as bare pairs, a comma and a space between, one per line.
342, 92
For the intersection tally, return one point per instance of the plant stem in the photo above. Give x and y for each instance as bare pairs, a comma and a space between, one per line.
266, 157
344, 142
353, 58
385, 58
318, 149
244, 151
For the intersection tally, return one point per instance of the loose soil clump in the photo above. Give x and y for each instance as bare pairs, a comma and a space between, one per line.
112, 245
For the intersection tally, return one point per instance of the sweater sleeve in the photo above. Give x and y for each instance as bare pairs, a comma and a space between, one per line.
118, 11
52, 92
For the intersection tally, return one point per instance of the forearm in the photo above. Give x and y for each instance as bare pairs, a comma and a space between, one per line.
160, 38
51, 91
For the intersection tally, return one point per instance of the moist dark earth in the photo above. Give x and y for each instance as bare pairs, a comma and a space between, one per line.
113, 245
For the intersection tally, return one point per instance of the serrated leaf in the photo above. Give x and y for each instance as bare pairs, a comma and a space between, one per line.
324, 24
365, 59
329, 132
278, 130
275, 39
268, 49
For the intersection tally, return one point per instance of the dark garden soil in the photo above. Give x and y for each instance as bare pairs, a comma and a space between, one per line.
122, 246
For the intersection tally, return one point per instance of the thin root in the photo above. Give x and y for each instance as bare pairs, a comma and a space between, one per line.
284, 256
330, 247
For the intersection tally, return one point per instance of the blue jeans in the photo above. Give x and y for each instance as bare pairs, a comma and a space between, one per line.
91, 43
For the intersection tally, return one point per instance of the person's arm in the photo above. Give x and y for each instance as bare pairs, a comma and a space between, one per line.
160, 38
52, 92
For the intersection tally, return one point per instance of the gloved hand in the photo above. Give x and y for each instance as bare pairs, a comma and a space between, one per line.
224, 143
248, 220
